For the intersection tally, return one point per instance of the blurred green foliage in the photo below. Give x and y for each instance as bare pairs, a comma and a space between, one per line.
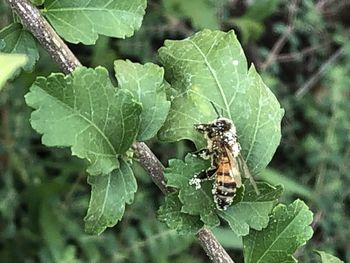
43, 191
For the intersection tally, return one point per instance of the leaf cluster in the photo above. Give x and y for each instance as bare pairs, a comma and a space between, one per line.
100, 122
43, 196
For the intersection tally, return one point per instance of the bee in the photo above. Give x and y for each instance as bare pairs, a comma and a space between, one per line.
223, 149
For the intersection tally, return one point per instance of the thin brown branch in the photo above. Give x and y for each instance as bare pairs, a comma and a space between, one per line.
212, 247
58, 50
290, 57
316, 77
151, 164
276, 49
44, 33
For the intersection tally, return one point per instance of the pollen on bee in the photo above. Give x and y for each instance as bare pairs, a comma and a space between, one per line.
196, 182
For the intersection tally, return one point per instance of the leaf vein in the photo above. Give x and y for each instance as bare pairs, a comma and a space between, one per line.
214, 76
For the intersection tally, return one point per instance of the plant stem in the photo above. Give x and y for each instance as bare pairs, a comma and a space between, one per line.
62, 55
33, 20
151, 164
316, 77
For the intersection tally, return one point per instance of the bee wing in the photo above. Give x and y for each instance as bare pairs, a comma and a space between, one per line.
235, 172
244, 168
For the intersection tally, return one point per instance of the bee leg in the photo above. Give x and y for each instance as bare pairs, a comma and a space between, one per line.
203, 176
201, 127
207, 174
203, 153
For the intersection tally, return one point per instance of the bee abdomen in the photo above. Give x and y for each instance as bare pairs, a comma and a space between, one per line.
224, 192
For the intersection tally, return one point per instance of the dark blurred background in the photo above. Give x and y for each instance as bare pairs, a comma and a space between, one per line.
302, 51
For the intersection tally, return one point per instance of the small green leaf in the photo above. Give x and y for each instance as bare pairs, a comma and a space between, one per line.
16, 40
201, 12
146, 84
86, 112
109, 193
37, 2
195, 202
210, 66
82, 21
9, 63
328, 258
170, 213
288, 229
51, 231
253, 211
250, 29
259, 10
289, 184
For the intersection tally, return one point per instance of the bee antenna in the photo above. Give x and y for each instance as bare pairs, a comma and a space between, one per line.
216, 110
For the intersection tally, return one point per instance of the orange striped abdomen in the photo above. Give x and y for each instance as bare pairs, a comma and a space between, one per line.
225, 186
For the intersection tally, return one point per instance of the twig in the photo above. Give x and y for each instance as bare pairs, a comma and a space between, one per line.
317, 219
289, 57
59, 51
314, 78
151, 164
276, 49
72, 189
44, 33
212, 247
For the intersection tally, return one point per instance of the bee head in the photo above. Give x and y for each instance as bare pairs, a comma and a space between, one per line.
223, 125
216, 128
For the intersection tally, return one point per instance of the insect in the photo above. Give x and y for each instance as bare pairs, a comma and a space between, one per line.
226, 162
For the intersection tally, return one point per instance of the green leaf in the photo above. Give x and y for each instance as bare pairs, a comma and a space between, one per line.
251, 24
86, 112
9, 63
250, 29
146, 84
17, 40
275, 177
51, 231
82, 21
109, 193
211, 66
261, 9
170, 213
288, 229
201, 12
253, 211
195, 202
328, 258
37, 2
